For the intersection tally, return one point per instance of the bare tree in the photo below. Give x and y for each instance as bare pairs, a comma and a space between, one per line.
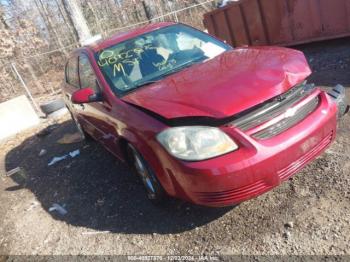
36, 34
78, 19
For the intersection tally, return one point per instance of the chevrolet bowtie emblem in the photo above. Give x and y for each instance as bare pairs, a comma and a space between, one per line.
290, 112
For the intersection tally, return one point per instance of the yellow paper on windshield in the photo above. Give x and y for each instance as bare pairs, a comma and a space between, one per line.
211, 50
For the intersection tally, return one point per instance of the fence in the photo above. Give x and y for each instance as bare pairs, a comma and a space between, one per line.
39, 75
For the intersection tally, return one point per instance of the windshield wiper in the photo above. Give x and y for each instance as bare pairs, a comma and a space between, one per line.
145, 83
177, 69
140, 85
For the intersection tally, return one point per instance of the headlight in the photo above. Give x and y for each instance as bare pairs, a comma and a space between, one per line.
196, 142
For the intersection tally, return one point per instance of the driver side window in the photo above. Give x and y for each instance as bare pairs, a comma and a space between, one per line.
87, 74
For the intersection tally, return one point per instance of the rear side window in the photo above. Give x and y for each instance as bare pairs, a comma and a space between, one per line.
72, 72
87, 74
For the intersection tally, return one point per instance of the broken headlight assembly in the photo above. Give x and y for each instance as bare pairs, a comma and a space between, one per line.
196, 143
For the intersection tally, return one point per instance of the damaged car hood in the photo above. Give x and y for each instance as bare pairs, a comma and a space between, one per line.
226, 85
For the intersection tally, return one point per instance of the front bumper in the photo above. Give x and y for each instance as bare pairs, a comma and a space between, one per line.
259, 165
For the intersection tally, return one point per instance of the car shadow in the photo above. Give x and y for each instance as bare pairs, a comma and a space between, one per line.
97, 190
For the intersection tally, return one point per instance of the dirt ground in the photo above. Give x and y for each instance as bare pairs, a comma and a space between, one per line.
109, 214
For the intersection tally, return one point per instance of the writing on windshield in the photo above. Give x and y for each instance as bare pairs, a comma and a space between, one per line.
155, 54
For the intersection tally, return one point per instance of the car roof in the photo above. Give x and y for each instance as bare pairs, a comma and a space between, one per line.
120, 37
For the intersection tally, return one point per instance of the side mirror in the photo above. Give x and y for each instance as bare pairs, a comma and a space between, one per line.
85, 95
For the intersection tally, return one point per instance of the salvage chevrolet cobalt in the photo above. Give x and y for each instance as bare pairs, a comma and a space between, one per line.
197, 119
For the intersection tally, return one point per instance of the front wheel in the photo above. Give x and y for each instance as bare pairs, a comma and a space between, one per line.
154, 190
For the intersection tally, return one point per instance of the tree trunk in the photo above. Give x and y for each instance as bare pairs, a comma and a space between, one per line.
78, 20
66, 20
3, 23
147, 11
52, 27
98, 24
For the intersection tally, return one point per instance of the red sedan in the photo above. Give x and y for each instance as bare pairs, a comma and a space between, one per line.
197, 119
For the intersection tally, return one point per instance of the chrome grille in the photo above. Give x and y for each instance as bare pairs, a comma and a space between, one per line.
272, 108
288, 122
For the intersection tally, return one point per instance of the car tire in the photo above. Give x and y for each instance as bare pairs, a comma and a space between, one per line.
52, 106
154, 190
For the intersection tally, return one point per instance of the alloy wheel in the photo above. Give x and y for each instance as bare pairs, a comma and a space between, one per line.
144, 174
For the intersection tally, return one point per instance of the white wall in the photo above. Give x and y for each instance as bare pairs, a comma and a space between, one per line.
16, 115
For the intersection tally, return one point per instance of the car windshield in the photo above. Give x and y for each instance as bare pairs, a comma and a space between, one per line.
150, 57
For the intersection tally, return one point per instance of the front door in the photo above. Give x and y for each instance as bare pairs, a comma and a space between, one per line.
97, 115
